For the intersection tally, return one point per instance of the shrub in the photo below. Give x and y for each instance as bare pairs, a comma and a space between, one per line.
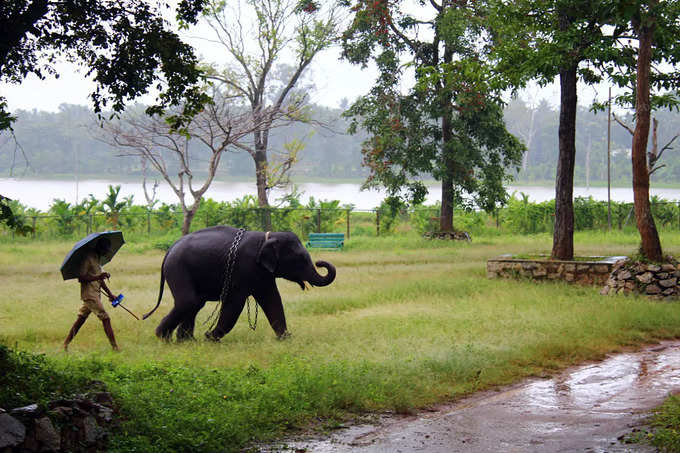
28, 378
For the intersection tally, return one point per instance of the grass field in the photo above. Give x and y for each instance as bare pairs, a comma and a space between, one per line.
406, 324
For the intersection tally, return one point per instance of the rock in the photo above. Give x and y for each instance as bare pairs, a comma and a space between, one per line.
652, 289
62, 412
639, 268
12, 431
601, 268
669, 292
663, 275
91, 432
570, 267
653, 268
605, 290
26, 411
630, 284
645, 278
669, 282
540, 272
45, 433
624, 275
668, 267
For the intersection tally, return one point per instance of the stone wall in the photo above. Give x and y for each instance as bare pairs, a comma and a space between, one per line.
79, 424
593, 271
658, 281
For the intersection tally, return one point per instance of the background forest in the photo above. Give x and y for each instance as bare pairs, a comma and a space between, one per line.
66, 142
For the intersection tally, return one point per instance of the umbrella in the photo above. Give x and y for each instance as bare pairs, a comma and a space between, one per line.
70, 268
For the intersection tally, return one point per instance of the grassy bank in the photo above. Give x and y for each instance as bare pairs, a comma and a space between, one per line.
407, 323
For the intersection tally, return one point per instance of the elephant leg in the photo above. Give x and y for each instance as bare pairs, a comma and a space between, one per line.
185, 331
168, 324
187, 304
229, 314
268, 297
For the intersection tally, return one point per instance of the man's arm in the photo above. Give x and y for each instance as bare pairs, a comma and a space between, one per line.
107, 290
92, 278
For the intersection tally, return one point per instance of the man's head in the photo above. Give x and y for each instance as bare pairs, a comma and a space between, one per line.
103, 246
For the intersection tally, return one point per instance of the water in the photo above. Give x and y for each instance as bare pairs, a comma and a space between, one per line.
587, 409
40, 194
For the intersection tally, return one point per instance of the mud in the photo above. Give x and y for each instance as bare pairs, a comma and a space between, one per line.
586, 408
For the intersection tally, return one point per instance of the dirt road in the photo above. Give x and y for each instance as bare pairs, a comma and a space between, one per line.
584, 409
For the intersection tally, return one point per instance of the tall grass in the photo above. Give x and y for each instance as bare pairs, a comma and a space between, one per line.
407, 323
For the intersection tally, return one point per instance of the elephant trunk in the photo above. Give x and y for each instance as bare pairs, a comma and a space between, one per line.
317, 279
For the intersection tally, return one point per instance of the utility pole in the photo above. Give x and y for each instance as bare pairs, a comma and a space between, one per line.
609, 160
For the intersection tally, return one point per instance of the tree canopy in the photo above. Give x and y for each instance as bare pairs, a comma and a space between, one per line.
125, 46
449, 124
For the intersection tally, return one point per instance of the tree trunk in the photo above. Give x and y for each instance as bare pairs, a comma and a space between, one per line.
446, 216
261, 181
188, 218
650, 244
589, 148
563, 237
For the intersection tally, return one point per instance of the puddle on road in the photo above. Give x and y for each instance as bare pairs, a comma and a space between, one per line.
586, 408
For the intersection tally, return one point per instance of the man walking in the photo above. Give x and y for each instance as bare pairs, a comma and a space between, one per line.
91, 278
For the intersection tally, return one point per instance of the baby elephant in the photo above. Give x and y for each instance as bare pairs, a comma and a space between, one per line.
196, 269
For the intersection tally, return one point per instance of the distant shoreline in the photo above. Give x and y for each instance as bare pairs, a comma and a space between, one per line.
137, 179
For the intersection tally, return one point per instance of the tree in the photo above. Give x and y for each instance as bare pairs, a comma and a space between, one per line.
211, 132
556, 38
125, 46
650, 73
278, 26
449, 124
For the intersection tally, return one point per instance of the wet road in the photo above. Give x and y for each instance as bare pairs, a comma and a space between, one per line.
586, 408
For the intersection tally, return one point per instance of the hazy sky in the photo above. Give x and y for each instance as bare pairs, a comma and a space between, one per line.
334, 79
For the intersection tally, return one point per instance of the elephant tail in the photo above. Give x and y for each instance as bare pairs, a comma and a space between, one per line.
160, 291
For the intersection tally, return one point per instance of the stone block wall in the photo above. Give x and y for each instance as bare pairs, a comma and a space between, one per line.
594, 271
79, 424
658, 281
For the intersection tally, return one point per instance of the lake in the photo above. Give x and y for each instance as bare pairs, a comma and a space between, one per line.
39, 194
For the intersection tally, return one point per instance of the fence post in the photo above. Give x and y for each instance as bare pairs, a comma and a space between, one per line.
33, 223
89, 223
377, 222
318, 220
348, 212
148, 221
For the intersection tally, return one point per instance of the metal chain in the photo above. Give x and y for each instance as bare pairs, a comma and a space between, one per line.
252, 325
229, 261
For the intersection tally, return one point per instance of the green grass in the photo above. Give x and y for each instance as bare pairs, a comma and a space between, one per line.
407, 323
665, 434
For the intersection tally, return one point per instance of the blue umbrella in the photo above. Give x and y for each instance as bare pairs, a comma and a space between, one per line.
70, 268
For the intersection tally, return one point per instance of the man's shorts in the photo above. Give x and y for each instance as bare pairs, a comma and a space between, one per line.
93, 306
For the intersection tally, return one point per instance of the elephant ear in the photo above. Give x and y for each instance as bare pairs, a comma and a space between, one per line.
268, 256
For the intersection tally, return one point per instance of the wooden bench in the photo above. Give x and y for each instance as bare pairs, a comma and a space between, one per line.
329, 241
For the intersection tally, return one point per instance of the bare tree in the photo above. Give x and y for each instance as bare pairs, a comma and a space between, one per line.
654, 154
150, 199
209, 134
277, 29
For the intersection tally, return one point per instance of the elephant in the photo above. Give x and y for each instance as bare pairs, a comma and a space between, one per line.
195, 265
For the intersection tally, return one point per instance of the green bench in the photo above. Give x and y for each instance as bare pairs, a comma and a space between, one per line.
329, 241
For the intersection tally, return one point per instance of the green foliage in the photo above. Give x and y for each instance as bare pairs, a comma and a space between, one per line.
450, 124
519, 216
29, 378
65, 217
12, 218
126, 47
666, 426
